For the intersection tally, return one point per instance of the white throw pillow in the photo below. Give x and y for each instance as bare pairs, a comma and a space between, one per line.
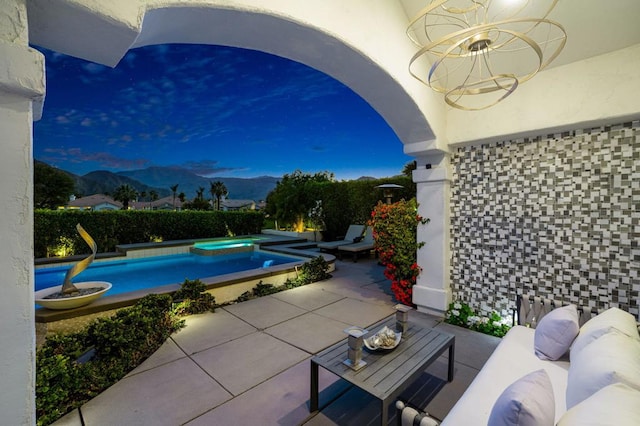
555, 332
529, 401
616, 404
603, 323
612, 358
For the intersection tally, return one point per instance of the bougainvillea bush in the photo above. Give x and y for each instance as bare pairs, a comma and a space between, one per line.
394, 230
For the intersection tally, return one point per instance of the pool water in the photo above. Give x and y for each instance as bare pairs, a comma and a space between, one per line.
146, 273
220, 245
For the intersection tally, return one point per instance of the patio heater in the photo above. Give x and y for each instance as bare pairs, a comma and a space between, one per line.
387, 190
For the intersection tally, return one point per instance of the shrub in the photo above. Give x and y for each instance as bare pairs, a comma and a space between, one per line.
314, 270
192, 298
461, 314
112, 347
394, 230
311, 271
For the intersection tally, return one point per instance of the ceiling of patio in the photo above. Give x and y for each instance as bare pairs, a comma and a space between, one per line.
593, 27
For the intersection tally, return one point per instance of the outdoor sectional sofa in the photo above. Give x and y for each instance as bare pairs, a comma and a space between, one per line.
566, 371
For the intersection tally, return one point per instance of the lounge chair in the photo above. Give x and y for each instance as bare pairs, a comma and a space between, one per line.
354, 231
366, 245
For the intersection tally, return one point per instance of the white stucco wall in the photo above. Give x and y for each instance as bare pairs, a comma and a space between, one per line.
21, 85
588, 93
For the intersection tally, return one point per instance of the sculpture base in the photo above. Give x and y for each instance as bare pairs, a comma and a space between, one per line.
72, 301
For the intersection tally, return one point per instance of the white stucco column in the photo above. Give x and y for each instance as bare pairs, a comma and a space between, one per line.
432, 292
21, 90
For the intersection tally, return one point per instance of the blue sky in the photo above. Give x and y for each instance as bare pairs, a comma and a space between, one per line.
217, 111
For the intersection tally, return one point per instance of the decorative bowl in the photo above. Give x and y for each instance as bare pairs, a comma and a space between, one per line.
384, 340
73, 301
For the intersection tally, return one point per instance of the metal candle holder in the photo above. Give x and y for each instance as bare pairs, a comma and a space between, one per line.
354, 351
402, 318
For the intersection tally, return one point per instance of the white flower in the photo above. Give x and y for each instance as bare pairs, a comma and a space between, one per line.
484, 320
473, 319
455, 313
457, 306
497, 324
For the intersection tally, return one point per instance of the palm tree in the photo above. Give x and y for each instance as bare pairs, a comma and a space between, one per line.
125, 193
174, 189
200, 194
218, 190
153, 196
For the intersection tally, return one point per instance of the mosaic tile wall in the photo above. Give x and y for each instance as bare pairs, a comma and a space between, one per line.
556, 216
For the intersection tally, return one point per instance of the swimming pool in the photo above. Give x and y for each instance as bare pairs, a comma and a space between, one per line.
146, 273
225, 244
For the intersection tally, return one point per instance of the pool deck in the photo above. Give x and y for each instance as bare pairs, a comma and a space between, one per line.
249, 363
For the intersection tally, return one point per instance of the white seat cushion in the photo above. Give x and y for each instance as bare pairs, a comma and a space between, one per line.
617, 404
612, 358
603, 323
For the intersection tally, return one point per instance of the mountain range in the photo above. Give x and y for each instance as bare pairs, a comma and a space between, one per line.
160, 179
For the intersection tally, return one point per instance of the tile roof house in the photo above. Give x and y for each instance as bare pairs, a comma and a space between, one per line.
96, 202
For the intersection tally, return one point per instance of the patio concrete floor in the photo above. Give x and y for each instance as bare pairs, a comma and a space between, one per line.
249, 363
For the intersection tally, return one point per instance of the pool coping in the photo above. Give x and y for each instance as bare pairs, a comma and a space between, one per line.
291, 246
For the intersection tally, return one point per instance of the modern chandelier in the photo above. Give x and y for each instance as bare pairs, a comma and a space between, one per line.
477, 52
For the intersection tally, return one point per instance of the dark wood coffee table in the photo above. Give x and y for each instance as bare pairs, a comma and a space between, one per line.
387, 374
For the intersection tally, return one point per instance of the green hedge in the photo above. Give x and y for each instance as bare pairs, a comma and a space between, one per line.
53, 229
348, 202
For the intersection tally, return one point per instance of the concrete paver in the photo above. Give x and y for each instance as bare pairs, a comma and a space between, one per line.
308, 297
356, 312
168, 352
264, 311
310, 332
286, 395
248, 361
168, 395
207, 330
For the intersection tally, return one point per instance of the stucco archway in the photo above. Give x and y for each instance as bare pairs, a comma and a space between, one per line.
328, 36
321, 37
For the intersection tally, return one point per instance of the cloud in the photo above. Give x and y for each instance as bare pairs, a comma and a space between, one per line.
102, 159
205, 168
93, 68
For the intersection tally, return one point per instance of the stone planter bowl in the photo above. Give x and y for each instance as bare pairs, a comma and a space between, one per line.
71, 302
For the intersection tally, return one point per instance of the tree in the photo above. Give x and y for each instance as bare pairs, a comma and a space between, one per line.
51, 187
408, 168
295, 195
125, 193
200, 194
153, 196
198, 203
174, 189
218, 190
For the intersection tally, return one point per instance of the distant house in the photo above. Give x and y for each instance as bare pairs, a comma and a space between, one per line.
166, 203
236, 205
94, 202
